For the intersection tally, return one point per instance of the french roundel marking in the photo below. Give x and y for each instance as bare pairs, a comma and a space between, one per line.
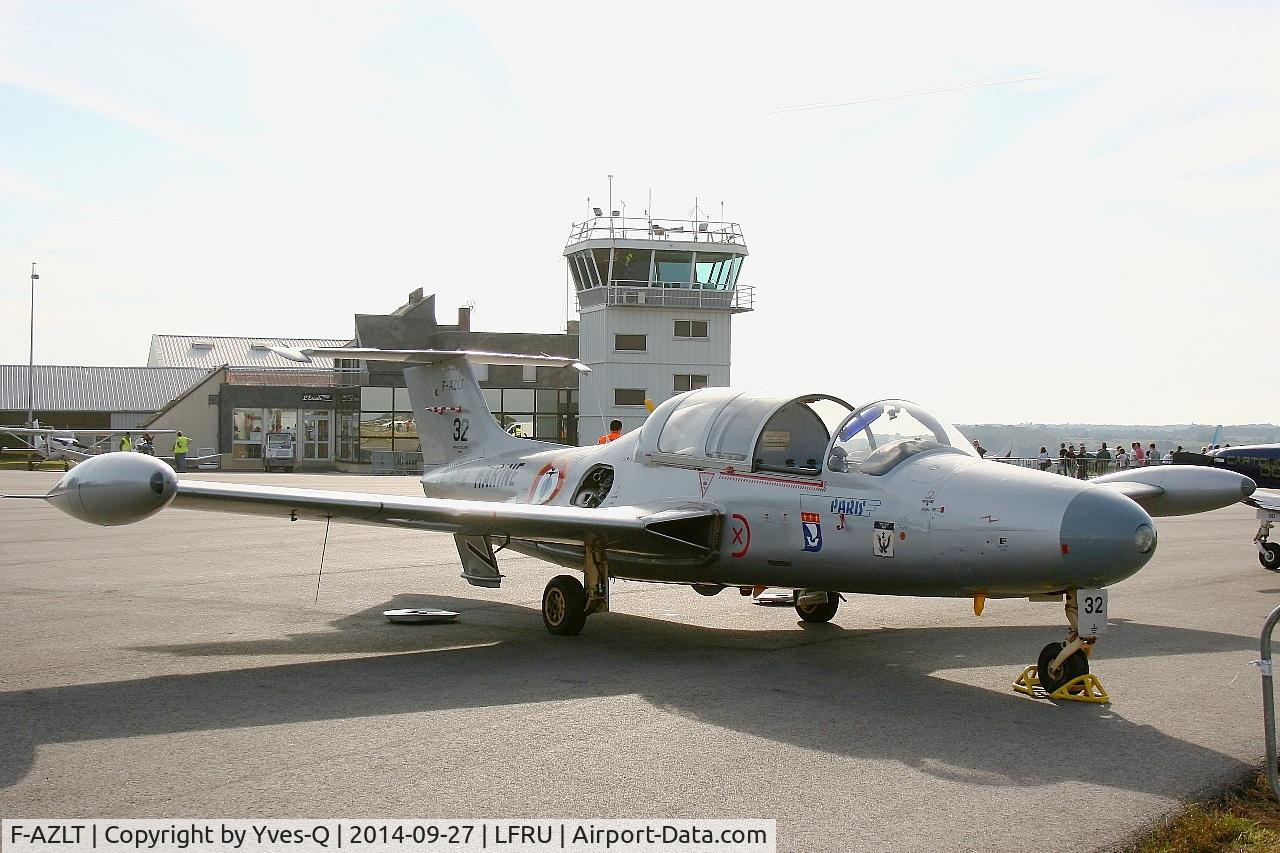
548, 483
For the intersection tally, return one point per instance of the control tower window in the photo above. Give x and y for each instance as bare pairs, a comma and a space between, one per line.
602, 263
576, 272
714, 270
631, 343
629, 396
691, 328
672, 269
631, 266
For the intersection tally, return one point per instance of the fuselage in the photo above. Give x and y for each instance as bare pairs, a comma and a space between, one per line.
940, 523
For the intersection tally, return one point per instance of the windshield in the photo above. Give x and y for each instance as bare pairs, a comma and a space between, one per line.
876, 437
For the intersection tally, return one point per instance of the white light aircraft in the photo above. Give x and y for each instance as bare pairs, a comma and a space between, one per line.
728, 488
77, 445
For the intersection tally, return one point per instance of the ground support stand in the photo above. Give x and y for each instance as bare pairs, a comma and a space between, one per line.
1084, 688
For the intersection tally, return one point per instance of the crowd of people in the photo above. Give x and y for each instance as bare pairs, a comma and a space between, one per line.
1081, 462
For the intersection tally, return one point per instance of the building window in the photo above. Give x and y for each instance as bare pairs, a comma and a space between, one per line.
691, 328
628, 396
529, 373
631, 267
631, 343
246, 433
690, 382
672, 269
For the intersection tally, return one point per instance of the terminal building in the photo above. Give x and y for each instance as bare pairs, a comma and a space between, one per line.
655, 298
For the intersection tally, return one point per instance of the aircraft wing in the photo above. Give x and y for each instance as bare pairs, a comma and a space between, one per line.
1265, 499
102, 432
1178, 489
121, 488
674, 529
1136, 491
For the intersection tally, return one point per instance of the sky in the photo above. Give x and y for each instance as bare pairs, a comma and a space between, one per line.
1095, 241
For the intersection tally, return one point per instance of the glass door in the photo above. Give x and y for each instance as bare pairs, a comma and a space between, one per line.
315, 435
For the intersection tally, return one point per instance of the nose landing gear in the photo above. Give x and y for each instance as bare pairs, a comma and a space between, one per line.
1062, 670
1268, 552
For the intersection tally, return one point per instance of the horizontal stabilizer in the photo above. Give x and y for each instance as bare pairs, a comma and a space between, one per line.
431, 356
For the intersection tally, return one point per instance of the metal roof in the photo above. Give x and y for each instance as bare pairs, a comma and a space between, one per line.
210, 351
62, 388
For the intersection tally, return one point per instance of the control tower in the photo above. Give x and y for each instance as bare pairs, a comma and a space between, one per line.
656, 298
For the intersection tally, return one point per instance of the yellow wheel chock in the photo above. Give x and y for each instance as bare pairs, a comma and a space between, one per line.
1083, 688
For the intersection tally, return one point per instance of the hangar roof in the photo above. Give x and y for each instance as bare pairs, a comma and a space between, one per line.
209, 351
64, 388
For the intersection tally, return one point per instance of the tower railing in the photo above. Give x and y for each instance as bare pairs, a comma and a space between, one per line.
667, 294
644, 228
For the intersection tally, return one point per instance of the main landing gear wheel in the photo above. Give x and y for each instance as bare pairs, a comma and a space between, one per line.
1269, 556
564, 605
708, 589
1072, 668
818, 612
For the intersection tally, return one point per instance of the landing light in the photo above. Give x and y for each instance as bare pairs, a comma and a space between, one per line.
1145, 538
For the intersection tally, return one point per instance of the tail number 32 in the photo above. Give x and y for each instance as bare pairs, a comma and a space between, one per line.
460, 427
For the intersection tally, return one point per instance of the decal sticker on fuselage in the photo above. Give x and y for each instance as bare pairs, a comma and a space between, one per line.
740, 535
498, 476
704, 480
882, 546
854, 506
811, 526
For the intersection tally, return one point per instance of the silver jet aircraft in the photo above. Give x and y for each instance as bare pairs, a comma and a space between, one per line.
727, 488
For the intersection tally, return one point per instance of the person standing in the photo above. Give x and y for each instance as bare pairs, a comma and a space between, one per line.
1104, 459
126, 443
614, 433
1153, 455
181, 446
1045, 459
1139, 455
1062, 458
1082, 463
1071, 461
982, 451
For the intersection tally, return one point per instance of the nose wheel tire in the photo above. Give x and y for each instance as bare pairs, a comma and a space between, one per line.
1269, 556
1072, 668
823, 612
564, 605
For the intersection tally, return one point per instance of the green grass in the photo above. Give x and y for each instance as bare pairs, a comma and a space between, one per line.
1245, 819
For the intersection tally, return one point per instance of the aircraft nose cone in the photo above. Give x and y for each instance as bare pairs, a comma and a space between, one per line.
1105, 537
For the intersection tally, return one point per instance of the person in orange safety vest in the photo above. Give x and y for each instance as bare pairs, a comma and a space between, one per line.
615, 432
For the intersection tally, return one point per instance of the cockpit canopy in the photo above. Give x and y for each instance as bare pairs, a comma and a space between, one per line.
759, 431
880, 435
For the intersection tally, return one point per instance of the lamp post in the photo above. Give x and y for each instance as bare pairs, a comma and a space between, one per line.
31, 352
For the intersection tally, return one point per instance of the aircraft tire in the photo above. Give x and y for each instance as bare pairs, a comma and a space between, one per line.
707, 589
564, 606
818, 612
1269, 556
1073, 667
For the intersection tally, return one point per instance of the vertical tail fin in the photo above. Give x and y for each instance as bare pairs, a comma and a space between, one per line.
452, 417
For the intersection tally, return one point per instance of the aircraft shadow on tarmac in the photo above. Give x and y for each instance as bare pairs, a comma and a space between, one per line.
866, 694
